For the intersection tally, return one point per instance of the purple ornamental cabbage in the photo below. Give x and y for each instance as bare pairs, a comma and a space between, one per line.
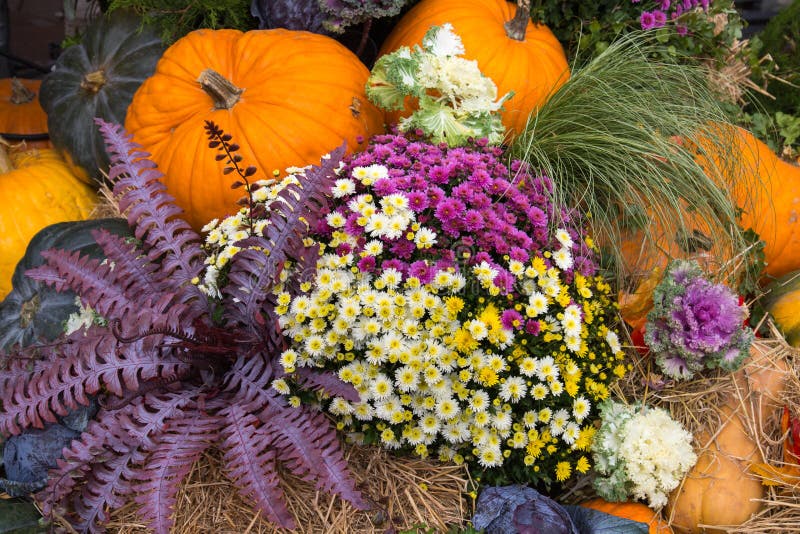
696, 324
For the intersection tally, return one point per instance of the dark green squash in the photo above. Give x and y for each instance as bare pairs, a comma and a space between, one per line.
97, 78
34, 312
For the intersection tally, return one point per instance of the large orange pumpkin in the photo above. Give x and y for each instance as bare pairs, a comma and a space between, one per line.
38, 189
634, 511
286, 97
767, 189
21, 115
519, 56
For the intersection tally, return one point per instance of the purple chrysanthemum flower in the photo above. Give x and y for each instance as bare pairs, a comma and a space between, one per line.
421, 270
417, 201
366, 264
473, 220
512, 320
449, 209
533, 327
647, 20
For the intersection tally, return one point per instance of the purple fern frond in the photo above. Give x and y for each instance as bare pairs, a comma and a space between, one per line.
327, 382
87, 277
253, 274
169, 462
151, 211
133, 271
307, 445
252, 465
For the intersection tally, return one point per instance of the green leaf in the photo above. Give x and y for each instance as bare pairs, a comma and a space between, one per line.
788, 127
438, 121
19, 517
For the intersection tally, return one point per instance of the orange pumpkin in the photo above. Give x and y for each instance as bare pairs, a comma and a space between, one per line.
516, 54
634, 511
767, 189
21, 116
286, 97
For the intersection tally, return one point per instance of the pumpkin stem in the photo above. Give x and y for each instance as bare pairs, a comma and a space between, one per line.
19, 93
93, 81
515, 28
5, 161
224, 94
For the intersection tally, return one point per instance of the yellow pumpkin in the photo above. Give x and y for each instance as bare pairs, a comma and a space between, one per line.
516, 54
782, 301
38, 189
635, 511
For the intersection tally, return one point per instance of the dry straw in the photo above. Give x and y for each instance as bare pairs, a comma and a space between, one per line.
405, 493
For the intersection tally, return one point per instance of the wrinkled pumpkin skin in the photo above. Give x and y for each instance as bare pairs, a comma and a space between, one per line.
21, 115
303, 96
635, 511
34, 312
718, 490
39, 191
97, 78
533, 68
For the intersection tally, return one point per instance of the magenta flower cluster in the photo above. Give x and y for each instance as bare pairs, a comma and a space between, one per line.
669, 10
482, 208
696, 324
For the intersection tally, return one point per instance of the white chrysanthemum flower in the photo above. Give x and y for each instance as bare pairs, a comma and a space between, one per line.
563, 258
447, 408
571, 433
340, 406
547, 368
343, 187
479, 401
490, 456
314, 345
580, 408
564, 238
613, 341
430, 424
281, 386
456, 432
573, 343
537, 304
377, 171
477, 329
513, 389
559, 421
502, 421
529, 419
425, 238
539, 391
377, 225
288, 359
443, 41
528, 366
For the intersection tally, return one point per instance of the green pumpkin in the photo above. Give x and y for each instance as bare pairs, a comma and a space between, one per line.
34, 312
97, 78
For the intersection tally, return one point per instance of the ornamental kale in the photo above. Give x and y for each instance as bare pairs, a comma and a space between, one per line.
640, 452
177, 371
343, 13
696, 324
454, 101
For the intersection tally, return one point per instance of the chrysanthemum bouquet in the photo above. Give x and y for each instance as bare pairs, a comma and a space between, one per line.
463, 307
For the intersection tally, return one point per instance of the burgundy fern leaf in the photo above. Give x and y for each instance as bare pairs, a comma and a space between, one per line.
253, 274
151, 211
327, 382
84, 366
169, 461
107, 487
307, 445
250, 381
87, 277
135, 274
252, 465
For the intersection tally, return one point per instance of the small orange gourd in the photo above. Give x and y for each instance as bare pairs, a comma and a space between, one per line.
516, 54
286, 97
38, 189
634, 511
21, 116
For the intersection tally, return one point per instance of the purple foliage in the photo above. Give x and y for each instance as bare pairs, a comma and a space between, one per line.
175, 373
